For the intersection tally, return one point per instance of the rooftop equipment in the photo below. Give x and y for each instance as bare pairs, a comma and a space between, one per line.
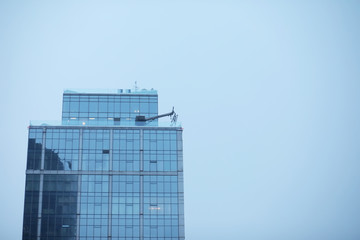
172, 114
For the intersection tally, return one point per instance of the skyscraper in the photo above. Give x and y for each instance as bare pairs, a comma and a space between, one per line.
108, 170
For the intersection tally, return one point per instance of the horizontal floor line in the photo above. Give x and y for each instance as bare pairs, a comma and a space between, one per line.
102, 172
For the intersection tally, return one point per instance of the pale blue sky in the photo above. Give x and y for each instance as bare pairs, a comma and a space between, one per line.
268, 94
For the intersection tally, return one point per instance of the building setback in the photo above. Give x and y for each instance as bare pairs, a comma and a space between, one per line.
99, 174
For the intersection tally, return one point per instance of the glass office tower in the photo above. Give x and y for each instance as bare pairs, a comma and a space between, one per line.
99, 174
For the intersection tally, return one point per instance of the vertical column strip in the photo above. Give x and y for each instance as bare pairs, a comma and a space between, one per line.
80, 149
42, 163
79, 187
40, 206
141, 184
180, 185
141, 150
179, 150
110, 185
111, 150
181, 206
110, 208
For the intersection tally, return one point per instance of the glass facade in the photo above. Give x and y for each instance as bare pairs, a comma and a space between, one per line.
115, 180
117, 109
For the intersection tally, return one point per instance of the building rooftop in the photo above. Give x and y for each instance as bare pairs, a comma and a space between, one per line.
127, 119
110, 91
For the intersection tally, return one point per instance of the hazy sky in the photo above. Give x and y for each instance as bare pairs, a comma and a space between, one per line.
268, 94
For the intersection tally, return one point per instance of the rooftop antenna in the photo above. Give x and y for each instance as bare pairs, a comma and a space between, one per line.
136, 87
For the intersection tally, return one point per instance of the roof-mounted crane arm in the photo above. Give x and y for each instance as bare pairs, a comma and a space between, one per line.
143, 119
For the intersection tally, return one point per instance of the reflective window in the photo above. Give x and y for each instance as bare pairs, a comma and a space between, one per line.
126, 150
125, 207
31, 206
59, 207
95, 153
34, 148
62, 149
94, 206
160, 152
161, 217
